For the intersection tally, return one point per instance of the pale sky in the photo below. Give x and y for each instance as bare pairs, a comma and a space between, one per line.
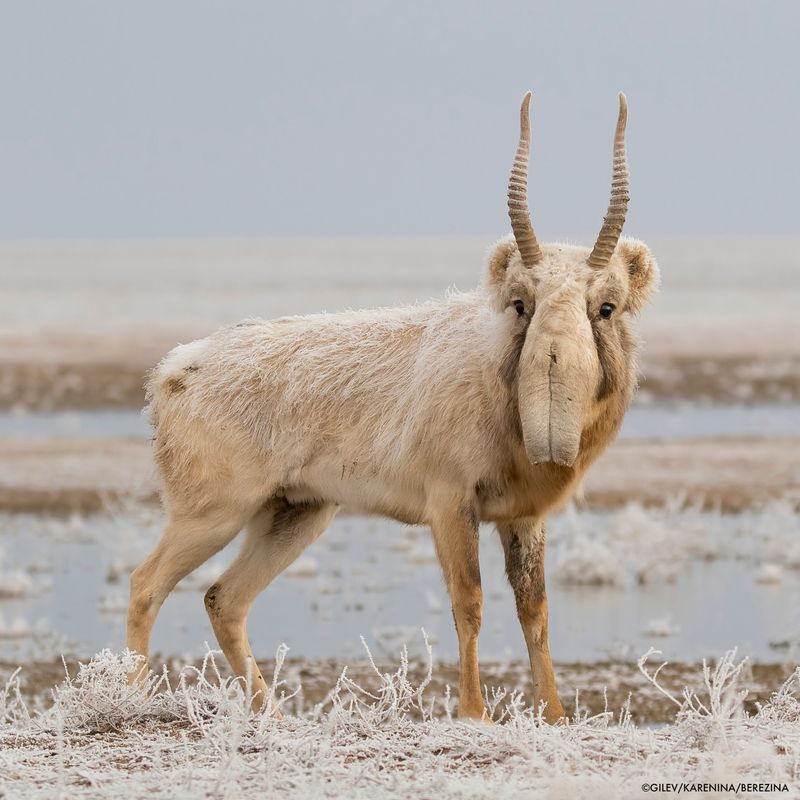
185, 118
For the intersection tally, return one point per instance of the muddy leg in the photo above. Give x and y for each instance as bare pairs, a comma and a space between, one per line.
455, 533
523, 541
276, 536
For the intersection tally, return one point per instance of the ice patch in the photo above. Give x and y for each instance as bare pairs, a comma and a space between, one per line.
769, 573
304, 567
660, 627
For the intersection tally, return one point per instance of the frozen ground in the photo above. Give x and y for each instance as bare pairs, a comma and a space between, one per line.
196, 737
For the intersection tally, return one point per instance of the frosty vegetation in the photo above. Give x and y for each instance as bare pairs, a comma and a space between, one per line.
197, 737
648, 545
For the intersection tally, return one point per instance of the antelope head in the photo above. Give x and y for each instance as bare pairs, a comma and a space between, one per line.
572, 305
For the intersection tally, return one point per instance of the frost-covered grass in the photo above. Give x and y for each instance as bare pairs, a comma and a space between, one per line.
651, 545
14, 583
196, 737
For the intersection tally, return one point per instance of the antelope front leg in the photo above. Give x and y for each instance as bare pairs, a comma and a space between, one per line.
455, 533
523, 541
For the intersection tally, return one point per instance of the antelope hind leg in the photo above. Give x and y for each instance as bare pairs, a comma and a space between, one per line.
276, 536
187, 542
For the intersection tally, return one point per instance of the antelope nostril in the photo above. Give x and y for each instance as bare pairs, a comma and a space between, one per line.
554, 357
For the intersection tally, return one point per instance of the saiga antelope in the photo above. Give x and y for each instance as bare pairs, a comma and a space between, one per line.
487, 406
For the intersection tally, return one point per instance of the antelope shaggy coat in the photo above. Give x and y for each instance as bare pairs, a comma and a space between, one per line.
487, 406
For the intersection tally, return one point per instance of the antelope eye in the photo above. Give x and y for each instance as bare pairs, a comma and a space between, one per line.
520, 306
606, 310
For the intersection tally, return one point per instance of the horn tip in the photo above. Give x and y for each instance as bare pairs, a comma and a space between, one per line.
623, 101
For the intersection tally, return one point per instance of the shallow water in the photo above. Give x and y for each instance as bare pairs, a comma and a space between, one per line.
379, 579
89, 424
680, 422
641, 422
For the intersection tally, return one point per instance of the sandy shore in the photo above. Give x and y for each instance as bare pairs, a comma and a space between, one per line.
732, 473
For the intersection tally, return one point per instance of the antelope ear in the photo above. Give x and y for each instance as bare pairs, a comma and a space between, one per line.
643, 275
502, 263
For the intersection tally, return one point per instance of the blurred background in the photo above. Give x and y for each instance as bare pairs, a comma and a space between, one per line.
170, 168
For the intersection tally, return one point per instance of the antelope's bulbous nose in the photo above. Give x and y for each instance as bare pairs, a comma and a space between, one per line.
555, 386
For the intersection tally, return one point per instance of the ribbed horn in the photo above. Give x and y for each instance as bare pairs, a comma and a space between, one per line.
518, 210
620, 194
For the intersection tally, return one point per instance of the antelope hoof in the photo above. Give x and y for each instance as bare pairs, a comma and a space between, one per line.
138, 675
554, 714
259, 705
479, 715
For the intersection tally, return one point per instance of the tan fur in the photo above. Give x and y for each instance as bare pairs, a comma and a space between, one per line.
414, 413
